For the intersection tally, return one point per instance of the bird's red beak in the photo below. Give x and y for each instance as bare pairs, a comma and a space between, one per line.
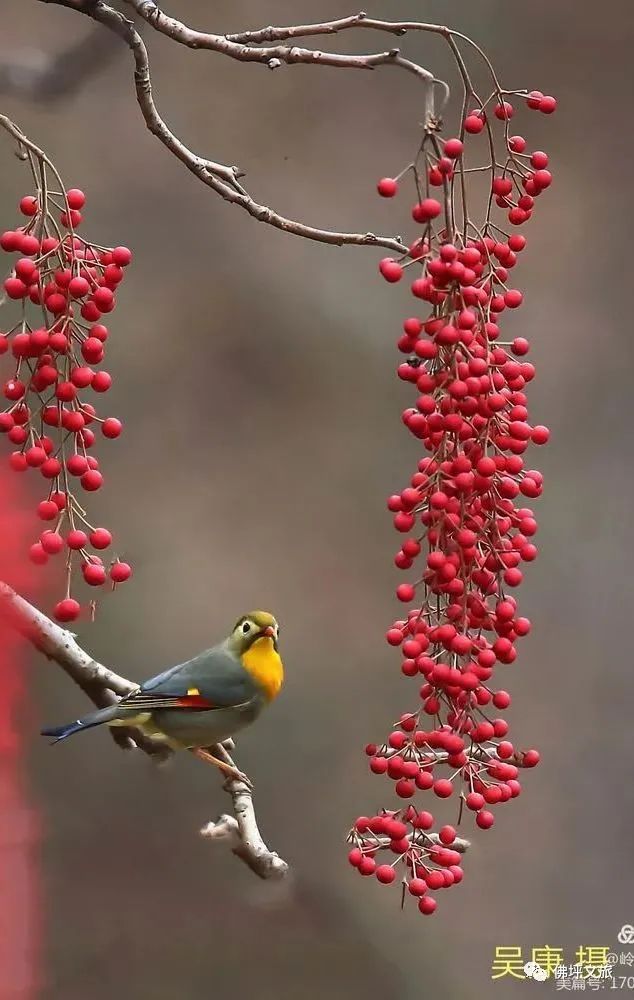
269, 631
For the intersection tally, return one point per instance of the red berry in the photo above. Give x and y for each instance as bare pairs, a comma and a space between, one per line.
405, 592
77, 465
52, 542
78, 287
367, 866
426, 210
92, 350
35, 456
502, 186
100, 538
51, 468
81, 377
453, 148
485, 819
121, 256
37, 555
29, 245
90, 312
503, 111
405, 789
14, 389
17, 435
76, 199
387, 187
18, 462
25, 269
91, 480
417, 887
47, 510
443, 788
474, 801
15, 288
10, 241
385, 874
120, 572
94, 574
378, 765
99, 331
513, 298
28, 205
70, 220
101, 382
474, 124
104, 299
391, 270
539, 159
76, 539
67, 610
427, 905
547, 105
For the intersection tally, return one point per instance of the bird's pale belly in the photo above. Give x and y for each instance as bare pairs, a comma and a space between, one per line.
194, 728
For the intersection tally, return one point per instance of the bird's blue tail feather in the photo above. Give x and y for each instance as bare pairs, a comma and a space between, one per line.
87, 722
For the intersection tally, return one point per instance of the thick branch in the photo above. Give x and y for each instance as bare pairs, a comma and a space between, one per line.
102, 686
59, 645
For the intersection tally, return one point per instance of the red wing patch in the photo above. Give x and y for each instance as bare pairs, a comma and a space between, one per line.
194, 701
145, 701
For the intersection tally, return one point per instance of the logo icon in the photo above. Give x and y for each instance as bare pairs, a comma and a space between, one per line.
626, 934
535, 971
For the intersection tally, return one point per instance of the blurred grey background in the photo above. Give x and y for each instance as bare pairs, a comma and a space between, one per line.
254, 373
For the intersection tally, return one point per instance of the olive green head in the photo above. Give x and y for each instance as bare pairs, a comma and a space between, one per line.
252, 626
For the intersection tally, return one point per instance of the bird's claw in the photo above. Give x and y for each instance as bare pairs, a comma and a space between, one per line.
235, 775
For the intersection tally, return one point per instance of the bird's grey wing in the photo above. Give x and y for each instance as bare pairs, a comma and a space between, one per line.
213, 679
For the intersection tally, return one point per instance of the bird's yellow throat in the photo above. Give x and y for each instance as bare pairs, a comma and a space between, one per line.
263, 663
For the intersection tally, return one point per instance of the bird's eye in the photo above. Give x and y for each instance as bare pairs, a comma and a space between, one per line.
246, 627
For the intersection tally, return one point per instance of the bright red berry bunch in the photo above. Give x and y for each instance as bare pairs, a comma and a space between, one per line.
61, 285
465, 528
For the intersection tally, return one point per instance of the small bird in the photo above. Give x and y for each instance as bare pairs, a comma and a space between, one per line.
204, 700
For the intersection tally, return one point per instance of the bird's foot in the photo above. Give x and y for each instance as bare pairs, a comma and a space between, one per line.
230, 770
233, 774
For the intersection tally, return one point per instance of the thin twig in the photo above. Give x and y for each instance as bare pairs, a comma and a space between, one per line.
102, 686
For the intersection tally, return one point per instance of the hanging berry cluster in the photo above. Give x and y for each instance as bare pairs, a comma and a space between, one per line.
465, 528
62, 284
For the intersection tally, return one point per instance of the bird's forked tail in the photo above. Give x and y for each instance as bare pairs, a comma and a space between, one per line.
93, 719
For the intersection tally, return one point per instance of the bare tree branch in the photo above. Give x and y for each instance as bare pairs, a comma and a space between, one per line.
222, 178
277, 54
360, 20
103, 686
247, 47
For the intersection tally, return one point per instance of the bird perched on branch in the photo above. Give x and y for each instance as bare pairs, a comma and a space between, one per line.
205, 700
